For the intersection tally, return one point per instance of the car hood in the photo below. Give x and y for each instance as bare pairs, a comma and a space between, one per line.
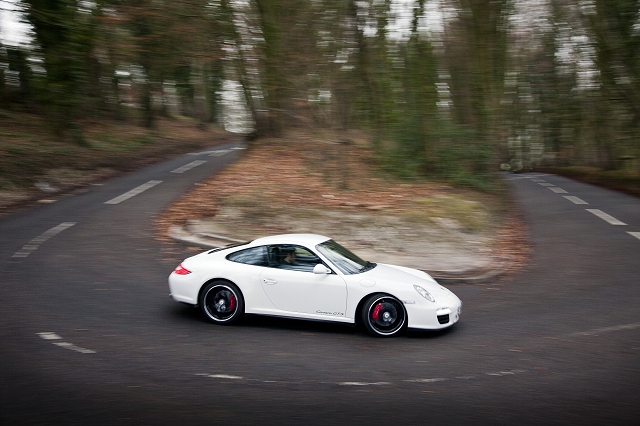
402, 278
397, 274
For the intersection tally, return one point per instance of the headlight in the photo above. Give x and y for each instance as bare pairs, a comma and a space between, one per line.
424, 293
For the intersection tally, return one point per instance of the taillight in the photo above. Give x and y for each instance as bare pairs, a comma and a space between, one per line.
181, 270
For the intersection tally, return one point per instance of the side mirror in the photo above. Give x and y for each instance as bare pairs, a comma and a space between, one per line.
321, 269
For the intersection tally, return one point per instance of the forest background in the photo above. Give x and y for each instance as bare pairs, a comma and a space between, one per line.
449, 90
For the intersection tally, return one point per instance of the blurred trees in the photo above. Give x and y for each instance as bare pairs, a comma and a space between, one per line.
64, 39
616, 33
449, 88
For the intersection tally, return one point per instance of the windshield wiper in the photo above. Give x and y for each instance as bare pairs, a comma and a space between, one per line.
368, 266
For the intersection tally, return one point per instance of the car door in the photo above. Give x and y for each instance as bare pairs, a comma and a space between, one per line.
295, 288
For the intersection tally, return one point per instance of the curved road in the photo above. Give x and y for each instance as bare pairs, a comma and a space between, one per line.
89, 335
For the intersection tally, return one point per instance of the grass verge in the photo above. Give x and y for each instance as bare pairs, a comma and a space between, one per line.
34, 163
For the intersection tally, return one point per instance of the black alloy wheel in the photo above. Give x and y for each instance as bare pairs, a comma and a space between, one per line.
383, 315
222, 302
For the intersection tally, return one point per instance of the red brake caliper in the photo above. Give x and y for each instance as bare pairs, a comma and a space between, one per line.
232, 303
376, 311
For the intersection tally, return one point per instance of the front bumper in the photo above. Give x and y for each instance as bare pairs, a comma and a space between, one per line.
434, 316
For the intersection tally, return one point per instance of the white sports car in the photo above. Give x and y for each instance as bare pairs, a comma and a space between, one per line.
311, 277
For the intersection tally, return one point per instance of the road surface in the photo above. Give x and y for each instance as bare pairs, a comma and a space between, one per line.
90, 336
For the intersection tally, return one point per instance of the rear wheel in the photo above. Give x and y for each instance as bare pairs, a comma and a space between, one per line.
383, 315
222, 302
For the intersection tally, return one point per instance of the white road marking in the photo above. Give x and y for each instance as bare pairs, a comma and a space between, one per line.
73, 347
506, 373
363, 383
537, 180
558, 190
50, 335
204, 152
219, 153
502, 373
216, 152
608, 329
524, 177
602, 215
189, 166
546, 184
635, 234
241, 379
224, 376
575, 200
135, 191
34, 244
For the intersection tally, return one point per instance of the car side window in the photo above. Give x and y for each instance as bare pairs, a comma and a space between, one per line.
292, 257
251, 256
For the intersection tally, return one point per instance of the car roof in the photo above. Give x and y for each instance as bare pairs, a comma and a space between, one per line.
310, 240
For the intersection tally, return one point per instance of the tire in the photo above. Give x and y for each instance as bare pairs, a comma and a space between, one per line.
383, 315
221, 302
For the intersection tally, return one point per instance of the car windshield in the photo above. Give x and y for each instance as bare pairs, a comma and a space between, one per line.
347, 262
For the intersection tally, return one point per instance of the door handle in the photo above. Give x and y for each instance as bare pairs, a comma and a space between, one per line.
269, 281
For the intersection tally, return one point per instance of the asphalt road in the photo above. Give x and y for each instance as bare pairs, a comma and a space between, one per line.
90, 336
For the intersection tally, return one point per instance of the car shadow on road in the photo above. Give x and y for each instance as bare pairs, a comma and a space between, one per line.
261, 321
430, 334
186, 313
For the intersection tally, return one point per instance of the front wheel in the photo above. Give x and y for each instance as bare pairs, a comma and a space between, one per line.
383, 315
222, 302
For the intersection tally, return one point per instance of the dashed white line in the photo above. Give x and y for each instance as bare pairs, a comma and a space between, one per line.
557, 190
602, 215
532, 178
517, 177
608, 329
546, 184
219, 153
575, 200
635, 234
135, 191
49, 335
241, 379
537, 180
73, 347
506, 373
363, 383
34, 244
222, 376
189, 166
216, 152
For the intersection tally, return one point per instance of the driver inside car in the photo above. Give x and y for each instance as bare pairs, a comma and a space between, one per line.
289, 258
